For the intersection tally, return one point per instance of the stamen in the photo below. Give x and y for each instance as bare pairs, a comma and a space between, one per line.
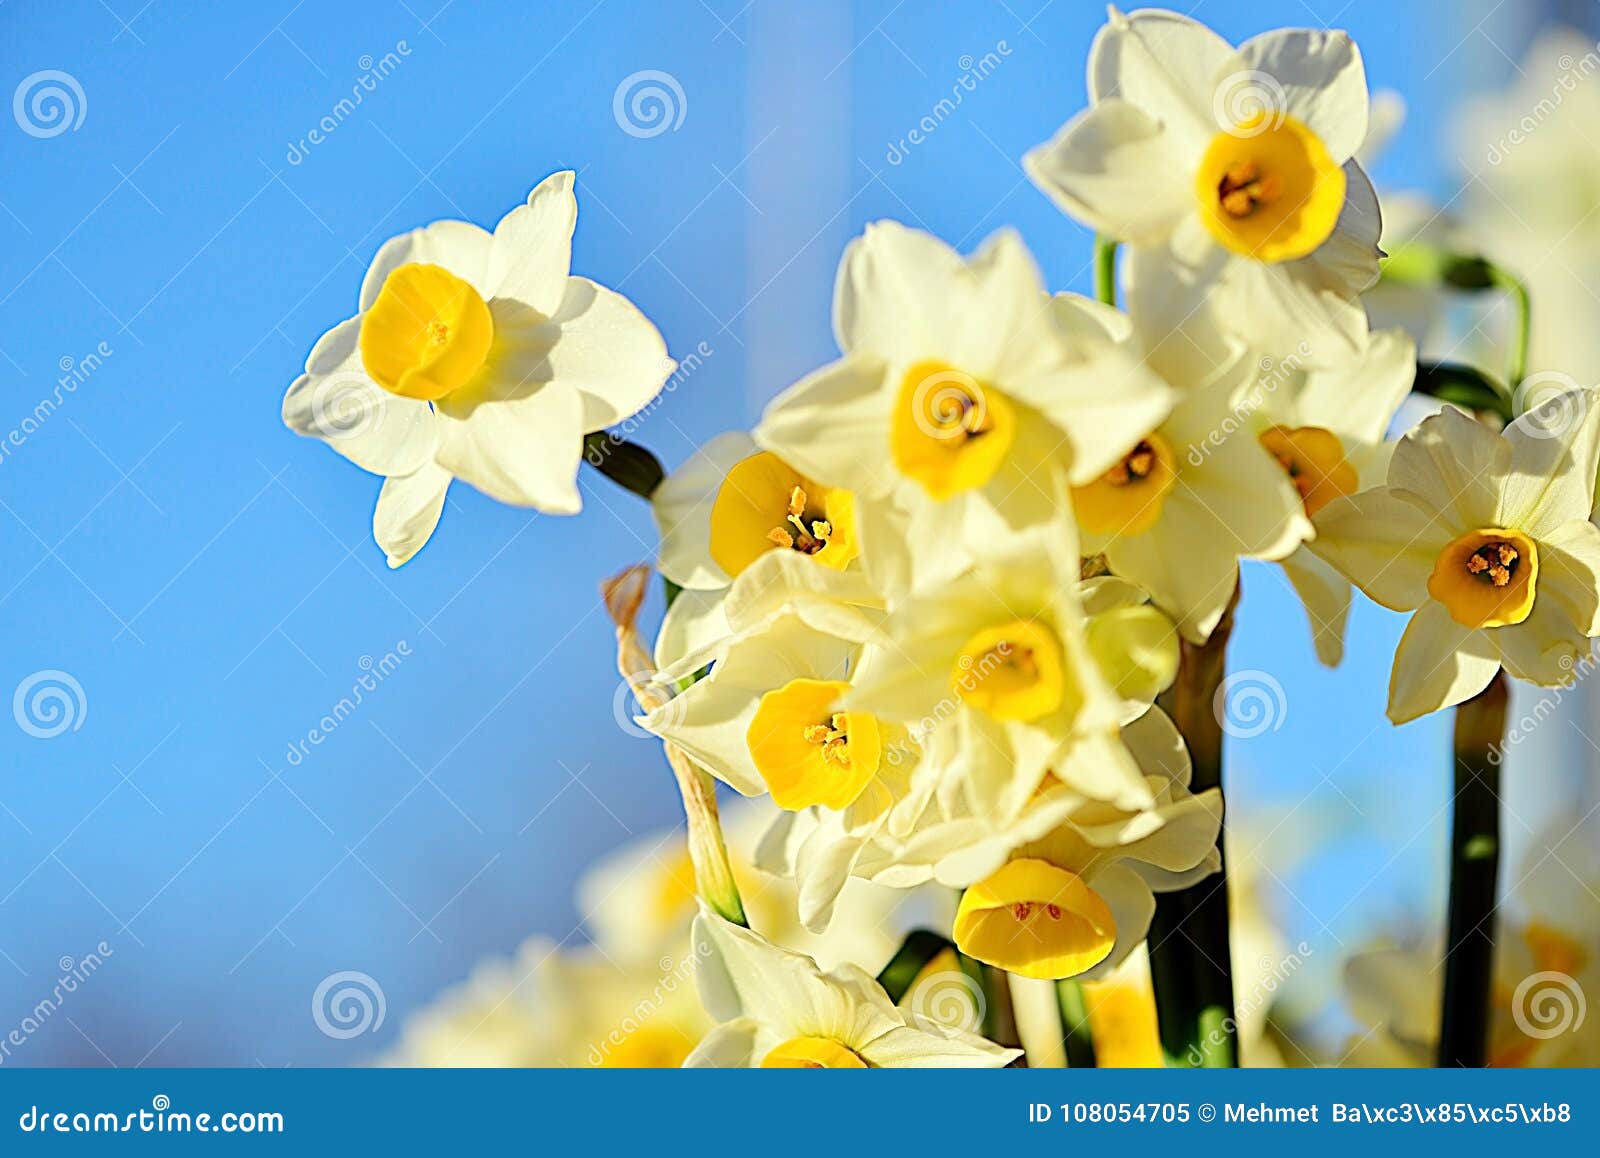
780, 537
1494, 563
1242, 189
1135, 466
833, 738
807, 539
1021, 909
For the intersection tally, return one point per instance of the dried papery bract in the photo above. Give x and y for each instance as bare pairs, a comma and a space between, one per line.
624, 594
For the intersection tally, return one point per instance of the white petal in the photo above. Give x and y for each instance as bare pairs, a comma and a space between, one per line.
523, 450
1438, 664
1291, 309
1325, 594
905, 1047
1169, 297
730, 1046
1115, 168
1132, 906
532, 252
1312, 75
458, 246
1358, 400
1384, 543
896, 291
608, 351
1569, 572
1347, 263
1456, 466
408, 510
682, 506
1166, 64
336, 402
834, 426
1555, 452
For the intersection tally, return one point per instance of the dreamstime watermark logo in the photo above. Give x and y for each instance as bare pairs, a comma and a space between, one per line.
1271, 976
1573, 72
346, 405
48, 103
973, 72
1249, 703
74, 373
1249, 103
74, 972
1519, 729
949, 998
373, 73
643, 694
599, 449
1550, 404
676, 973
49, 702
949, 405
648, 103
348, 1004
1272, 375
1548, 1004
373, 673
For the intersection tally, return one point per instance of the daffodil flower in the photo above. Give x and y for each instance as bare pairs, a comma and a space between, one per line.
961, 390
1061, 886
1187, 499
1487, 538
778, 1010
1229, 174
476, 355
1004, 644
1326, 429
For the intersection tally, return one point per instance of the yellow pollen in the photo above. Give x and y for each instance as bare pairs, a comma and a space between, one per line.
1487, 577
1127, 498
764, 503
807, 752
1269, 190
949, 432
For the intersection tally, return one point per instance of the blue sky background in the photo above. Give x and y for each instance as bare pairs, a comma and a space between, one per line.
209, 579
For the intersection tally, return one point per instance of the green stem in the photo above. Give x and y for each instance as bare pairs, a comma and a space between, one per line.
1190, 951
1076, 1033
1518, 289
1464, 386
1105, 270
1474, 868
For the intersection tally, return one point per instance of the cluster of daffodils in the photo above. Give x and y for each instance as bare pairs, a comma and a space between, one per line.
928, 606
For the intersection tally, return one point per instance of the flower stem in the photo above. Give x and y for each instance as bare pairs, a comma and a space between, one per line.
1190, 952
1523, 339
1076, 1033
1105, 270
1474, 867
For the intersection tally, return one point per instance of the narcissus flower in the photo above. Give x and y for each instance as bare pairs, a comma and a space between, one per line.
1229, 173
1004, 644
779, 1011
1062, 885
1326, 429
1186, 500
1487, 538
477, 356
960, 385
732, 502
